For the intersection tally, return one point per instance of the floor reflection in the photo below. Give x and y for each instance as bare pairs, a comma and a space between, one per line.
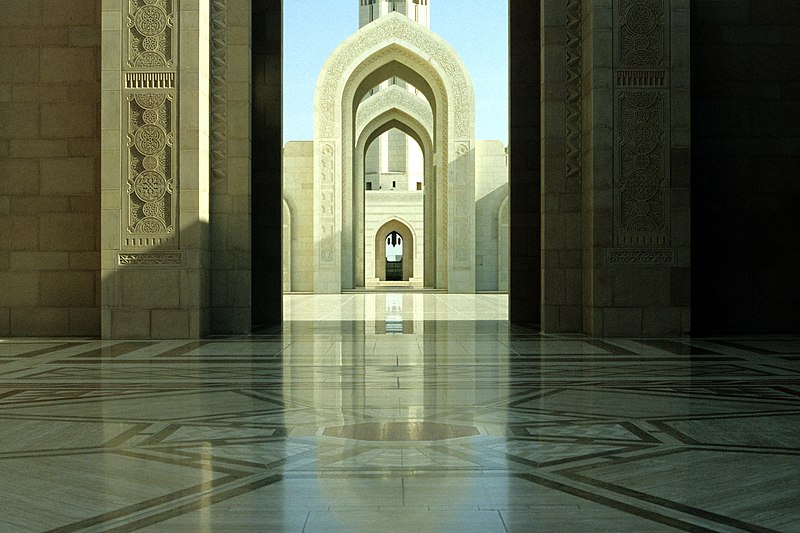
400, 412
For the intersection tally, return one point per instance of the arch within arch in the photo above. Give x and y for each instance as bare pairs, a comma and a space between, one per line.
394, 46
395, 118
409, 248
503, 246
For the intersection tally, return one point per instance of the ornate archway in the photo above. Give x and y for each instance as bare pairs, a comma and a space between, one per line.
394, 46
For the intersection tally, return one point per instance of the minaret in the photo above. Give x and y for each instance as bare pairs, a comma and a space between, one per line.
392, 163
370, 10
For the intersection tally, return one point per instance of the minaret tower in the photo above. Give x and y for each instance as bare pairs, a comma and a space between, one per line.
393, 163
370, 10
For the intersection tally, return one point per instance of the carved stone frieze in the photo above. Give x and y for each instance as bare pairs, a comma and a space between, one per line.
151, 258
626, 257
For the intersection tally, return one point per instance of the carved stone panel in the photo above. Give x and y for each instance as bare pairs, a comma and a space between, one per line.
150, 183
642, 33
327, 206
641, 123
642, 191
151, 34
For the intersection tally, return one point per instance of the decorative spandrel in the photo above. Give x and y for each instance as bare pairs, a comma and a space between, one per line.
151, 190
151, 34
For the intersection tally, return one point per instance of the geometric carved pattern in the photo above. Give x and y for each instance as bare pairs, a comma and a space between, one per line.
641, 148
150, 107
327, 217
574, 91
151, 153
151, 34
169, 258
641, 257
149, 80
642, 39
641, 78
641, 126
219, 90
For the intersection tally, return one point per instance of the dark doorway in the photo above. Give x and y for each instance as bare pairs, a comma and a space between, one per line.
394, 257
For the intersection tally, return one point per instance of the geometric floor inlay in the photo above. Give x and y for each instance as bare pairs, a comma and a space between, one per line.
455, 421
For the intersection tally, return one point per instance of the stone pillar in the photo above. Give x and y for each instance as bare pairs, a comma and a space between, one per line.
461, 220
155, 169
636, 202
230, 166
524, 163
561, 176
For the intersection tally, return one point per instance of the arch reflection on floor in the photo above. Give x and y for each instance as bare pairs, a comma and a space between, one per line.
462, 424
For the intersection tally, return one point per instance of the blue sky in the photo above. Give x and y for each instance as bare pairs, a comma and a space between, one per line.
477, 30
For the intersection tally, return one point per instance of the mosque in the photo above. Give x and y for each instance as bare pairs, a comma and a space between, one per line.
398, 167
651, 195
395, 326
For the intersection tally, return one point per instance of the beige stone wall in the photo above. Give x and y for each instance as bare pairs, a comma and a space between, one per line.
298, 192
49, 167
491, 188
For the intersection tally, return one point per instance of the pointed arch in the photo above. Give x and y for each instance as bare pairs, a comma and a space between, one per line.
393, 46
397, 118
406, 231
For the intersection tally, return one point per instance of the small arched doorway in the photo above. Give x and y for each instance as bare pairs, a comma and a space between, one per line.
394, 252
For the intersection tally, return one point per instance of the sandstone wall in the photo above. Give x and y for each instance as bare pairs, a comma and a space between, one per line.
49, 167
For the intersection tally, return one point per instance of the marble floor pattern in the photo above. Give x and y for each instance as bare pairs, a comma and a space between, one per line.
400, 412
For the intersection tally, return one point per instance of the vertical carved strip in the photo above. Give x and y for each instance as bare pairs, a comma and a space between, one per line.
150, 180
641, 118
219, 91
461, 223
151, 36
574, 90
327, 250
641, 149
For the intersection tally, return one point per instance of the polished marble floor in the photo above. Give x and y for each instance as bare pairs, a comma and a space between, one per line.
400, 412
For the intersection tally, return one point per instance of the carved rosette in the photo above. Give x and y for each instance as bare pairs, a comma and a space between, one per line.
151, 34
151, 154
